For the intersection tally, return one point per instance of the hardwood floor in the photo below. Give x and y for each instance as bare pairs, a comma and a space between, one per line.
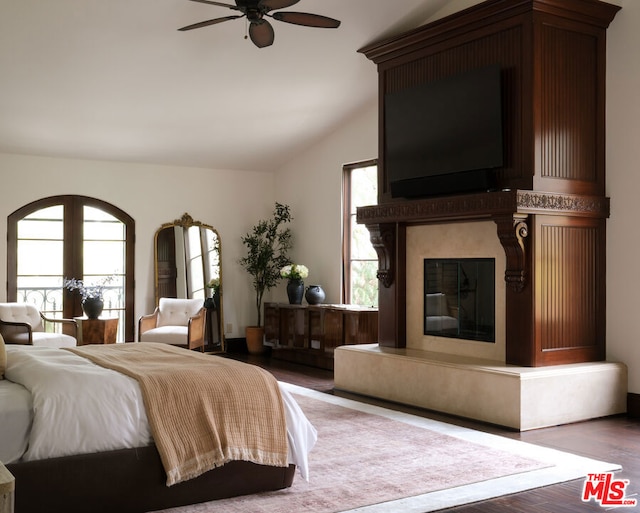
613, 439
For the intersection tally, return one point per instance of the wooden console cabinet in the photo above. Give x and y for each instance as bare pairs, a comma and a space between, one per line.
308, 334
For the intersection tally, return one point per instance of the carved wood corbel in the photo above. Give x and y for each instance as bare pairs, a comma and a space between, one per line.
383, 239
512, 232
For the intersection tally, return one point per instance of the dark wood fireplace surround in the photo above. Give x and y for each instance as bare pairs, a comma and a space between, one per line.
550, 209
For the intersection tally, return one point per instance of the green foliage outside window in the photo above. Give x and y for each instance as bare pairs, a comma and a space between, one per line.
363, 258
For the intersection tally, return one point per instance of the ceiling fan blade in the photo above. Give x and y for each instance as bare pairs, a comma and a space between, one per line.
229, 6
272, 5
261, 33
306, 19
209, 22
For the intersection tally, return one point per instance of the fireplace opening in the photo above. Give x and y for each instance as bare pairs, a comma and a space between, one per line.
459, 298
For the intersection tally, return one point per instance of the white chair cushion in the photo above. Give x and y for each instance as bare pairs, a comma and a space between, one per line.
45, 339
21, 312
176, 312
166, 335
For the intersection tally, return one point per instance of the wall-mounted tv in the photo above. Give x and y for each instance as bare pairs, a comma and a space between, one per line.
445, 136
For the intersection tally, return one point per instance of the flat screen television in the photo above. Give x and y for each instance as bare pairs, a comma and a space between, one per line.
445, 136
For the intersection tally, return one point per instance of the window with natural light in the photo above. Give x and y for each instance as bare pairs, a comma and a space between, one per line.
39, 280
51, 241
360, 262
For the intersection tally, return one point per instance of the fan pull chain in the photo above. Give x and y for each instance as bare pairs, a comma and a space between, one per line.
246, 28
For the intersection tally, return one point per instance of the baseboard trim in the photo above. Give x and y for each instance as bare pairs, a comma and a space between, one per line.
633, 405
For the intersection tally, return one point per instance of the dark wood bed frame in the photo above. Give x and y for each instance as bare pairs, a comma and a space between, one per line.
131, 481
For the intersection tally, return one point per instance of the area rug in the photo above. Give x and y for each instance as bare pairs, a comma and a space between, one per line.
374, 460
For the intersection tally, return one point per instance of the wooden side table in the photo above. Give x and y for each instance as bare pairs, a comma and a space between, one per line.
96, 331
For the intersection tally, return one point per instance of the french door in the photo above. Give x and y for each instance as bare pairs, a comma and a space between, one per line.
72, 237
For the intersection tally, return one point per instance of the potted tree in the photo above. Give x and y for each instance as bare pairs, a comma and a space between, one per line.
267, 246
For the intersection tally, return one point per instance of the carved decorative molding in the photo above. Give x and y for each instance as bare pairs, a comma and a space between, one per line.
186, 221
470, 206
383, 239
512, 232
592, 206
486, 205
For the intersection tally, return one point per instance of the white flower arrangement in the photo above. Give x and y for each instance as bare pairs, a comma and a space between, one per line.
294, 272
94, 291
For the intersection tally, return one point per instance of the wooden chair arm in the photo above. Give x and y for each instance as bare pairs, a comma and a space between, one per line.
64, 322
196, 329
147, 322
24, 325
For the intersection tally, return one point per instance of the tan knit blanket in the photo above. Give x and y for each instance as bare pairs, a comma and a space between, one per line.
203, 411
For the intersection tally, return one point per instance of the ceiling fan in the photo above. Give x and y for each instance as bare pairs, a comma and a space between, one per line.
260, 30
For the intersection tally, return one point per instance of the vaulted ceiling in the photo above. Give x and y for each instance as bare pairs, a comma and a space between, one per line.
116, 80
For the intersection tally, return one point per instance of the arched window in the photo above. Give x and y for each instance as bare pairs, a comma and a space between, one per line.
72, 237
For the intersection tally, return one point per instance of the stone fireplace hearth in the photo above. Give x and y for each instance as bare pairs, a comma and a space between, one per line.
521, 398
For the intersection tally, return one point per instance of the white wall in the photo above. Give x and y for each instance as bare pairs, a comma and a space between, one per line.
312, 185
623, 185
230, 201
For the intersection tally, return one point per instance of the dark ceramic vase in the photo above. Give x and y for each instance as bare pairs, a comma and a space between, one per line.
92, 307
295, 291
314, 295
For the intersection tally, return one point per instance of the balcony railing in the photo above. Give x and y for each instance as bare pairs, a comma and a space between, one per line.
48, 300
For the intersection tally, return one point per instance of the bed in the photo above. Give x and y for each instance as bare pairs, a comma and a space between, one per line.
80, 436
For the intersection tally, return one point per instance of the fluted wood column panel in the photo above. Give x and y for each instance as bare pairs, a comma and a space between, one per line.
569, 264
569, 112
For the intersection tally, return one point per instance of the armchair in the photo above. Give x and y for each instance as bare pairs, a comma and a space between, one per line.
180, 322
23, 323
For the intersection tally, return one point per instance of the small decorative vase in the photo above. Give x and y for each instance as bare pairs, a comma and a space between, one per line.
295, 291
314, 295
92, 307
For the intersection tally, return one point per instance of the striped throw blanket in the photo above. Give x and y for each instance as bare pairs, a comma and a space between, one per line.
203, 411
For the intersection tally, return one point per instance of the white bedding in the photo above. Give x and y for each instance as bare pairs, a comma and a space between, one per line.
79, 407
16, 415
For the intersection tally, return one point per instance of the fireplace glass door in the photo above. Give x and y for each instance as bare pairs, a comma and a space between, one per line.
459, 298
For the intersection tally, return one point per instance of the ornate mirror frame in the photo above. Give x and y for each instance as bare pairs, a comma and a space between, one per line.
187, 257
